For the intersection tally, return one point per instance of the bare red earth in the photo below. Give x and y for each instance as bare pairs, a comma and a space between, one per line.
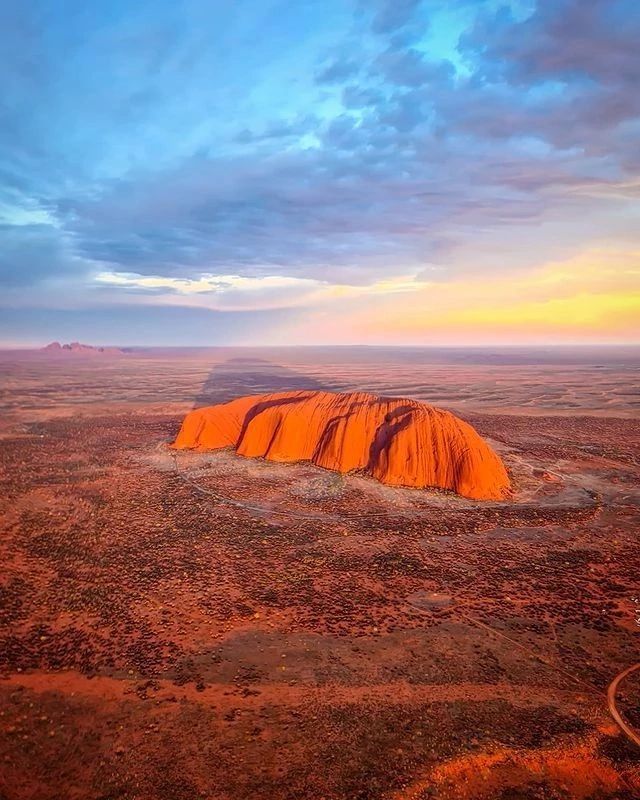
400, 442
177, 625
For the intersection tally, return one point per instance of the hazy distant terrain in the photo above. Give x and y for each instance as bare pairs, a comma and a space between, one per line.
532, 380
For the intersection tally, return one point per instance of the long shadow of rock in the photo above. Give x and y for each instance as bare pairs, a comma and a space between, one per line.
242, 376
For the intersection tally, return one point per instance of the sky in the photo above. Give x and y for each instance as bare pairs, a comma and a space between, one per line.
423, 172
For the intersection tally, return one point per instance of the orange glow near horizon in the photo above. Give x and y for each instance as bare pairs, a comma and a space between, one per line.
593, 298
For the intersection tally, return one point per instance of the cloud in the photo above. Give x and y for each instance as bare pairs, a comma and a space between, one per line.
568, 40
338, 71
409, 68
594, 296
337, 150
240, 293
393, 15
34, 253
576, 62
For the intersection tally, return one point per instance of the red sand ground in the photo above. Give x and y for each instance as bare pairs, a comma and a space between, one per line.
179, 625
399, 442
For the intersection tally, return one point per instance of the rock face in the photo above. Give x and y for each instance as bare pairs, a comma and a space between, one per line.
399, 442
77, 347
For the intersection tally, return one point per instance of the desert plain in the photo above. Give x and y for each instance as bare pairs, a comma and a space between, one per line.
179, 625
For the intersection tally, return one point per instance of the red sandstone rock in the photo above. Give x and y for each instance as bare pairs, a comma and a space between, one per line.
399, 442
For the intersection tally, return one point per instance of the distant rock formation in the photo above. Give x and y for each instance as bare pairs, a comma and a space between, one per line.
76, 347
399, 442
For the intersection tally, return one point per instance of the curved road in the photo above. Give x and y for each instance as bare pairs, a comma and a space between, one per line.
281, 512
323, 516
611, 700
